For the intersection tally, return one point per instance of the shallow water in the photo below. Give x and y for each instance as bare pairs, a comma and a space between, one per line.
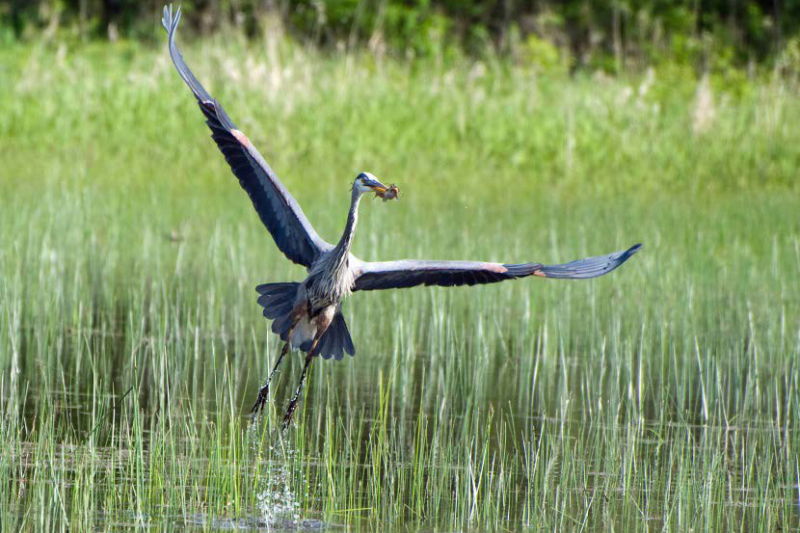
278, 469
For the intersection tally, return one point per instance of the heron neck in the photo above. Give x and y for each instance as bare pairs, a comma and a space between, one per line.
343, 248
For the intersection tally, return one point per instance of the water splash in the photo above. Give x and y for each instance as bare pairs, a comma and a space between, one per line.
278, 503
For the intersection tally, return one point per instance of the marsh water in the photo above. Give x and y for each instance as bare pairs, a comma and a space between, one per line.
518, 407
167, 459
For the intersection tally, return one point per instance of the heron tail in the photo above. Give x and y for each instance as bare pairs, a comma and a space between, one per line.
277, 299
336, 341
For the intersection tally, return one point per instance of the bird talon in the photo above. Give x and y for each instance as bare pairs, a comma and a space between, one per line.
261, 401
287, 418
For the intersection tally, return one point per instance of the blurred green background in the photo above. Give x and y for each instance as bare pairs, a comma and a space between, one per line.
611, 35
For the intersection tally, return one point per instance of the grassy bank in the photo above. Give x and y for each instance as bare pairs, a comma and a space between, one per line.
661, 397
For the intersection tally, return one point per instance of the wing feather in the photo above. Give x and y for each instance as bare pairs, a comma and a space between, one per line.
411, 273
276, 207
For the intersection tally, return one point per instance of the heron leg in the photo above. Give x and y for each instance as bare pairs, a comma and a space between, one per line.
287, 419
263, 393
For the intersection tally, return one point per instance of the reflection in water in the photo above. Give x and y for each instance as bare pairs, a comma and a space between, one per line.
253, 523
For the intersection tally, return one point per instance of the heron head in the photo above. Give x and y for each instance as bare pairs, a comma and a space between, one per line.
366, 182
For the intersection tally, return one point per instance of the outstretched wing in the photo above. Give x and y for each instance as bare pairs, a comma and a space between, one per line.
410, 273
279, 212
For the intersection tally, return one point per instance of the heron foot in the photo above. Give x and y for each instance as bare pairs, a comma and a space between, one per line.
263, 393
287, 418
261, 401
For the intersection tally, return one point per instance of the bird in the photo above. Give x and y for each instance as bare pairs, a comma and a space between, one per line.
307, 315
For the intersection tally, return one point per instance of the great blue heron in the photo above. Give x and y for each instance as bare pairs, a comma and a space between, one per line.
307, 315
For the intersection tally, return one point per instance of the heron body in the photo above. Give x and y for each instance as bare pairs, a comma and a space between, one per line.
316, 303
307, 315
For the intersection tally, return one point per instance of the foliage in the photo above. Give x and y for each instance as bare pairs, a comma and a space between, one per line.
613, 36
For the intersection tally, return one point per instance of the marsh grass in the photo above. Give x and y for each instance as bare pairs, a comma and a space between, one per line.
661, 397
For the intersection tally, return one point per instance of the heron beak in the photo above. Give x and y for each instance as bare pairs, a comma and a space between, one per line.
381, 190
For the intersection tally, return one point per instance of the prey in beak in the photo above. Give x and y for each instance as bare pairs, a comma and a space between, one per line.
392, 192
369, 183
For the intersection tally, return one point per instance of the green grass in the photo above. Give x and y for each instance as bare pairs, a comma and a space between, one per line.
661, 397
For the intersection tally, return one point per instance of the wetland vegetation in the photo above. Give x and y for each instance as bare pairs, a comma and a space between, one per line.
662, 397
